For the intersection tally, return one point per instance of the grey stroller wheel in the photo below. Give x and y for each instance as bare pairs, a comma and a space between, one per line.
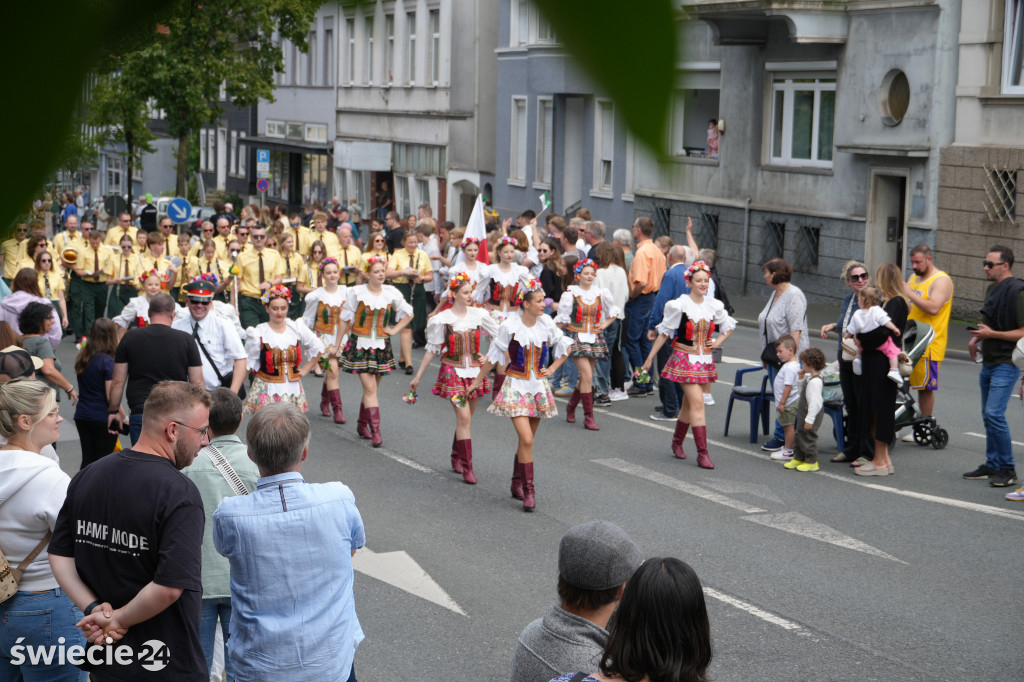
940, 438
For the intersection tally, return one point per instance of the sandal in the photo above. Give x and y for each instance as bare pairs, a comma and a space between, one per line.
842, 457
860, 460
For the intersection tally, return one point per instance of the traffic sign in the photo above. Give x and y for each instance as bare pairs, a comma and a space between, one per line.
114, 205
262, 156
179, 211
263, 184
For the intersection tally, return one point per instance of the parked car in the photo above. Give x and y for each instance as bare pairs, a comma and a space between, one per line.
199, 214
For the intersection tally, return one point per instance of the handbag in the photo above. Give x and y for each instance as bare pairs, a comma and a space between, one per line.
1018, 354
849, 350
768, 356
10, 577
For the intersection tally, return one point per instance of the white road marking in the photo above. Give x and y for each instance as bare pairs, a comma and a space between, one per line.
798, 524
400, 570
674, 483
766, 616
730, 487
740, 361
982, 435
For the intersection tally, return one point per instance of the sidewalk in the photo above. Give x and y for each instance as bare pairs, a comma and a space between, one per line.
818, 314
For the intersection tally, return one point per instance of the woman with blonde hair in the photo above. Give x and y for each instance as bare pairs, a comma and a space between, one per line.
51, 285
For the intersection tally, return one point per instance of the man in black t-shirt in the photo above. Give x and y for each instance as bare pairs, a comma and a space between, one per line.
394, 234
127, 546
149, 355
147, 215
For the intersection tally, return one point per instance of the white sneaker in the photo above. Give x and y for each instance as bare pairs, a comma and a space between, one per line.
615, 395
895, 376
856, 366
909, 438
709, 399
782, 455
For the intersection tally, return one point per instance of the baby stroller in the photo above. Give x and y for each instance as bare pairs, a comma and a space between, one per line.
926, 430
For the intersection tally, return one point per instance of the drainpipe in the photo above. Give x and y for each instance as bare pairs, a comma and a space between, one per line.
746, 243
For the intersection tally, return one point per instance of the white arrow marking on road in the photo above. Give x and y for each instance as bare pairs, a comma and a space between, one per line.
755, 611
400, 570
798, 524
730, 487
981, 435
669, 482
180, 212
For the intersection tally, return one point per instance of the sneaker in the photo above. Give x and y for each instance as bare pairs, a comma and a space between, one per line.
662, 417
782, 455
563, 392
637, 392
709, 399
895, 376
603, 399
793, 463
856, 366
1016, 496
909, 438
808, 466
1003, 478
772, 445
615, 395
980, 474
659, 408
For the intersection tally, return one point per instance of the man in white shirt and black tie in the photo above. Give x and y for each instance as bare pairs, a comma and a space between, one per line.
220, 347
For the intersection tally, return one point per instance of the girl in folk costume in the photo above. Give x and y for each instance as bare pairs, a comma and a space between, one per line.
530, 339
584, 311
372, 314
137, 310
281, 352
498, 290
454, 334
323, 316
690, 321
470, 250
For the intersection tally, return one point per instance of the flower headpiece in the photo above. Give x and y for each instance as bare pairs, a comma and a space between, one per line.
276, 291
373, 260
152, 273
585, 263
466, 241
329, 261
456, 282
527, 289
698, 266
207, 277
507, 240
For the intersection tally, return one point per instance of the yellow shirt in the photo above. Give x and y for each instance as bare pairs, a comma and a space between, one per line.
120, 267
170, 244
330, 240
11, 249
63, 240
54, 281
939, 321
402, 259
31, 264
249, 267
161, 264
303, 238
115, 233
222, 245
295, 267
200, 265
95, 262
349, 258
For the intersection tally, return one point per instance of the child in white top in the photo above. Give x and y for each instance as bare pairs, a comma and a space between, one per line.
871, 316
785, 396
809, 411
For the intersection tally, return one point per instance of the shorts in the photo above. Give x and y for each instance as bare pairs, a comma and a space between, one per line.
788, 415
925, 376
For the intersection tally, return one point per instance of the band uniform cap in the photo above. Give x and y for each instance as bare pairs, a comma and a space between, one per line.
597, 556
15, 362
200, 289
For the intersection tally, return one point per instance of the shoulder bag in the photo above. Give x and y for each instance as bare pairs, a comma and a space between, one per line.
224, 379
768, 356
10, 577
222, 465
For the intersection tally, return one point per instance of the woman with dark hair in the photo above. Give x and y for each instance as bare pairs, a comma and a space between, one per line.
35, 321
551, 273
785, 313
878, 394
35, 245
51, 285
25, 288
660, 631
95, 369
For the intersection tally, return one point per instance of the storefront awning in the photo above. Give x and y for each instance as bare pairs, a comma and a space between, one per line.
296, 146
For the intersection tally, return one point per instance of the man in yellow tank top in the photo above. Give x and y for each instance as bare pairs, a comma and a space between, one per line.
931, 294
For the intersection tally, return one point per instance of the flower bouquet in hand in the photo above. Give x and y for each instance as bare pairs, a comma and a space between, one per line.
641, 376
459, 400
409, 398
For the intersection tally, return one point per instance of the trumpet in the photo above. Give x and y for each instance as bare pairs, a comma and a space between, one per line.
69, 255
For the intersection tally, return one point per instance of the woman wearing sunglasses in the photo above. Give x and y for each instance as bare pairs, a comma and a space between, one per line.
51, 285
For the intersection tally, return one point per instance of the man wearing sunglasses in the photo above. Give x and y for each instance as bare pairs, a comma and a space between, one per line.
10, 249
1002, 325
220, 347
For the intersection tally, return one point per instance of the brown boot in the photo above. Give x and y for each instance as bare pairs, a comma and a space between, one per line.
570, 409
588, 412
700, 437
335, 396
325, 402
374, 415
456, 456
517, 478
529, 503
363, 425
466, 450
678, 437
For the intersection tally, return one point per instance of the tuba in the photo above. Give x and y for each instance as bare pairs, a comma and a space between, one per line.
69, 255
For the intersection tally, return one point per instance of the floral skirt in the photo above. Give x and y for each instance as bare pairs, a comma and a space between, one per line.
511, 403
449, 384
598, 349
680, 370
262, 393
356, 360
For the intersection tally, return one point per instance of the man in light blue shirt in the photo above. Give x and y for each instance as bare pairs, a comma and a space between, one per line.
290, 545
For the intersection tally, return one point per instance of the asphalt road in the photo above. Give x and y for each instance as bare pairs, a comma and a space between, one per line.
823, 576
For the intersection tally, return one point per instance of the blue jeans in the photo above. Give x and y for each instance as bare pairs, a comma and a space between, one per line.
638, 312
670, 392
135, 425
779, 434
210, 609
603, 369
567, 372
39, 619
997, 382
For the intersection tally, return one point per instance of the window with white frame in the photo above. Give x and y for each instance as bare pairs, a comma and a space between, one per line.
233, 154
692, 112
114, 167
435, 46
328, 68
316, 132
243, 156
545, 34
604, 144
389, 47
545, 140
519, 23
202, 150
350, 67
410, 61
368, 48
517, 141
275, 128
423, 192
294, 131
1013, 48
802, 120
402, 202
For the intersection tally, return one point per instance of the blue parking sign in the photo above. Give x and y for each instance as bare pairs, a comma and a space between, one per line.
262, 156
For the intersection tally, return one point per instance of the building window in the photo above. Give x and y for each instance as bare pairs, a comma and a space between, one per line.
294, 131
805, 257
707, 230
233, 154
1013, 48
114, 174
402, 202
316, 132
545, 140
517, 146
243, 156
278, 175
604, 145
410, 62
773, 240
435, 46
211, 150
328, 70
545, 34
368, 54
350, 70
423, 192
275, 128
692, 110
662, 220
1000, 200
314, 178
803, 116
519, 23
389, 47
202, 150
